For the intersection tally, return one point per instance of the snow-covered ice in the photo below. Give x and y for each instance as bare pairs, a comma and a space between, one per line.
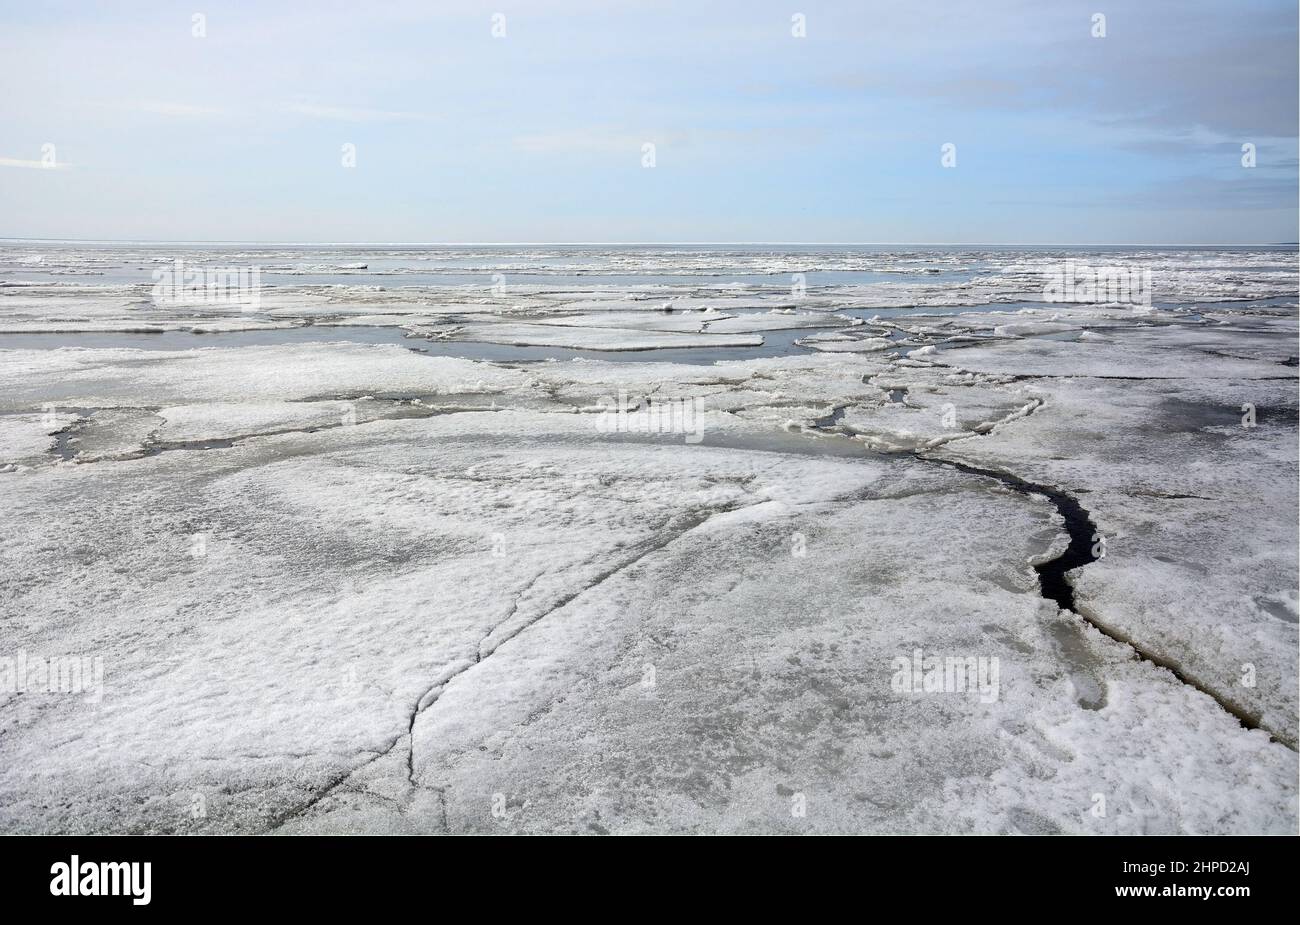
357, 587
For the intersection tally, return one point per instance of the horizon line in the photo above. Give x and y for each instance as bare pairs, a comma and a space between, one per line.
219, 241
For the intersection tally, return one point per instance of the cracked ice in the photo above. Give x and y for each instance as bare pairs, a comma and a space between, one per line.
364, 561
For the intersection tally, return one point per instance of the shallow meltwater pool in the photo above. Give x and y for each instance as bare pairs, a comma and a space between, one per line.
775, 343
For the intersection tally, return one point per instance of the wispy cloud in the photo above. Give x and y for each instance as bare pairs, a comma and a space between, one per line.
167, 108
597, 140
349, 113
34, 165
587, 140
758, 134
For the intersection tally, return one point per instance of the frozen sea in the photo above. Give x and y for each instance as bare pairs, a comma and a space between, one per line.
629, 539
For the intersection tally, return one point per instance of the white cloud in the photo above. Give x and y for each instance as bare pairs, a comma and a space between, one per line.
585, 140
36, 165
165, 108
349, 114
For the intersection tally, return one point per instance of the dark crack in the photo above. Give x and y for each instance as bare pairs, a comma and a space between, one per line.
1055, 585
1079, 527
1053, 575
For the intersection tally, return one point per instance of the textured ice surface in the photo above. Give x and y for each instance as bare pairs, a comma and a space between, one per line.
78, 376
1265, 349
845, 343
700, 321
350, 587
27, 438
1198, 566
349, 577
586, 338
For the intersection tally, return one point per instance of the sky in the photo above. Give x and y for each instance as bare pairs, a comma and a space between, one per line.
538, 133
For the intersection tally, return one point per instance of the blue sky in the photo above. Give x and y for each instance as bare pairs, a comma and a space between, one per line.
461, 136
